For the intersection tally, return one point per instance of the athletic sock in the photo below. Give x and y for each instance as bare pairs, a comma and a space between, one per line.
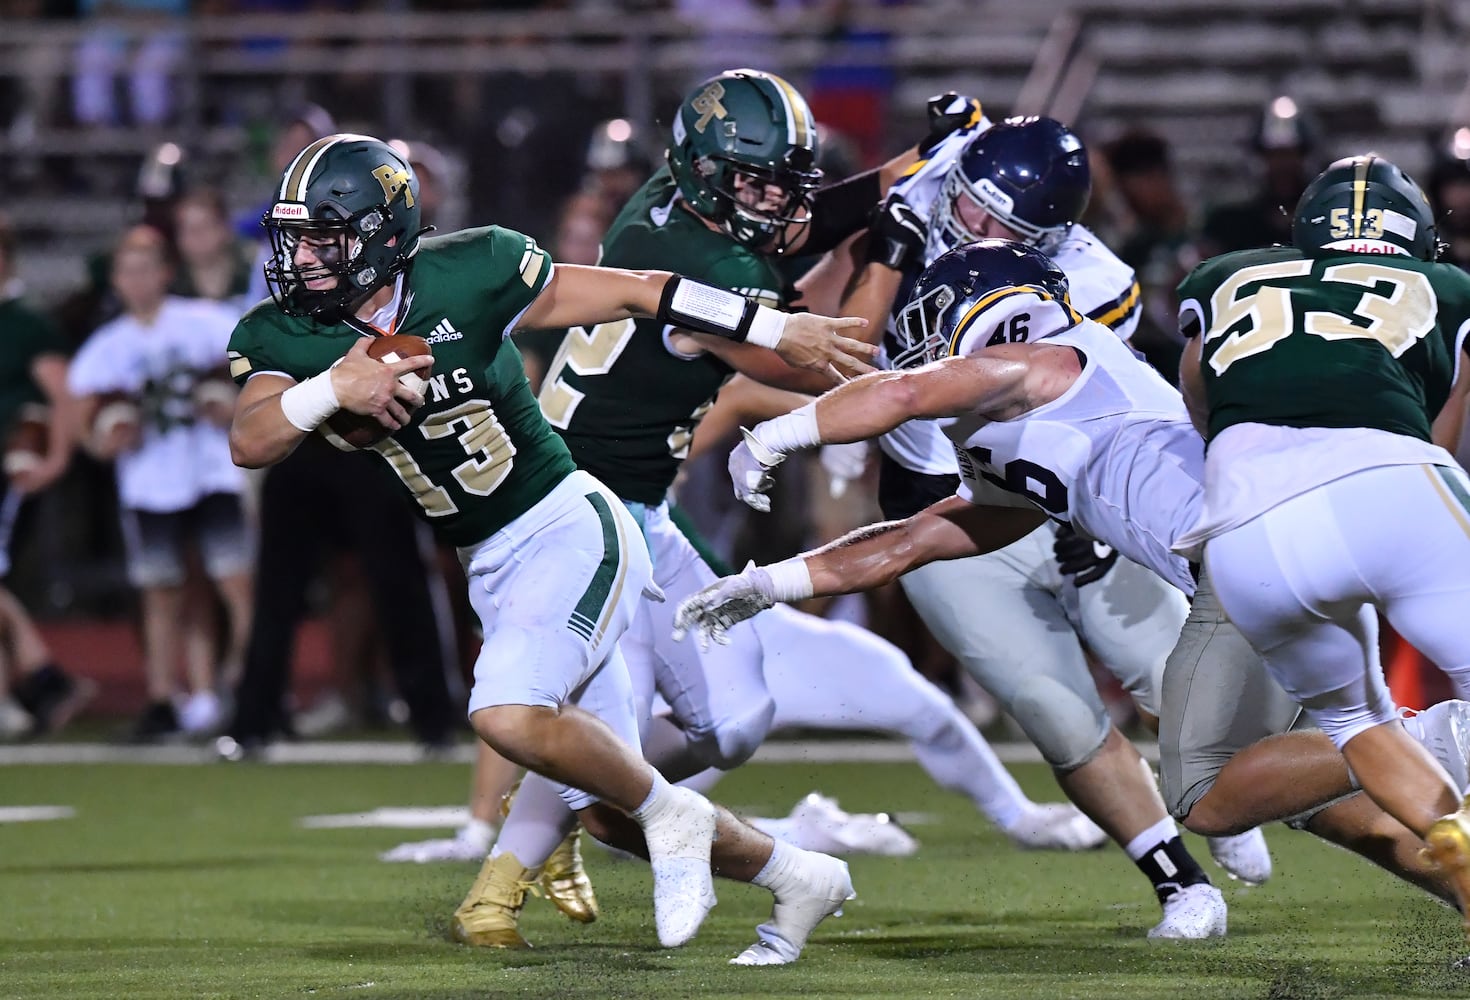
538, 821
1160, 854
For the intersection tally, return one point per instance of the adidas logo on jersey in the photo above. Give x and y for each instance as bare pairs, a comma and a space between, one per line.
445, 331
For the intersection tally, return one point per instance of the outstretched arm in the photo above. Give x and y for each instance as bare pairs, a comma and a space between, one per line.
860, 560
586, 296
875, 404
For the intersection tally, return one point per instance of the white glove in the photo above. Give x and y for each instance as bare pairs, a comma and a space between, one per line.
712, 612
750, 471
844, 463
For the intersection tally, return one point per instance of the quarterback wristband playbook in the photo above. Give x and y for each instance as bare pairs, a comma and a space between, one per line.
694, 305
307, 404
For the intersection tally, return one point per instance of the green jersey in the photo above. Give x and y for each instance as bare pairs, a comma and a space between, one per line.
25, 335
624, 400
478, 453
1326, 339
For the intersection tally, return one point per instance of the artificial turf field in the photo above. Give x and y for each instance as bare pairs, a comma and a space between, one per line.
197, 881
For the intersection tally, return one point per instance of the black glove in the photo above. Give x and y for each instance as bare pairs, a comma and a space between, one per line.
948, 112
896, 234
1082, 558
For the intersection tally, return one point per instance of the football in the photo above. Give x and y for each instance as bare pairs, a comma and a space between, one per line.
348, 430
25, 445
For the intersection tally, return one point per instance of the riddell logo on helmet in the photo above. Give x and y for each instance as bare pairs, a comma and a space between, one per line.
1366, 246
289, 210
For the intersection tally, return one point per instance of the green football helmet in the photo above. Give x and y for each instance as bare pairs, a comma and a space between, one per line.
1365, 204
355, 200
746, 129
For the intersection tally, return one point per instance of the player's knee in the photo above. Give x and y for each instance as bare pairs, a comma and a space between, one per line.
733, 740
1207, 821
931, 718
1066, 726
510, 730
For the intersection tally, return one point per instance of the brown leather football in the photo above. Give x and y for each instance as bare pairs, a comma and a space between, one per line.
357, 430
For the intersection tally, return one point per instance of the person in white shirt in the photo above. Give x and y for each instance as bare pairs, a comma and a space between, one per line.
148, 402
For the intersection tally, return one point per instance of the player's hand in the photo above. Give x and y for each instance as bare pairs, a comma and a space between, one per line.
844, 463
896, 234
35, 478
711, 613
815, 342
948, 112
751, 464
119, 439
1081, 558
371, 388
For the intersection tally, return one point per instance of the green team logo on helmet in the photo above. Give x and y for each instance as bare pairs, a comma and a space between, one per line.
346, 220
1365, 204
744, 155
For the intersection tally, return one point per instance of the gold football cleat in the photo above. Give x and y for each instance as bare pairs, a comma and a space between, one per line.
564, 881
1449, 848
490, 914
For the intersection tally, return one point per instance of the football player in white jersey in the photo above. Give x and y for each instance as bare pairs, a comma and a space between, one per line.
1069, 426
1028, 179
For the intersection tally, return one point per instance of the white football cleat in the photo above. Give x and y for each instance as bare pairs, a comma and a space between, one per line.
1444, 730
466, 845
816, 889
1243, 856
678, 852
1194, 912
817, 823
1055, 826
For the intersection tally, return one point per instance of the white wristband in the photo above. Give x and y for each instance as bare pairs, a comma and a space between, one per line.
307, 404
791, 431
790, 580
766, 327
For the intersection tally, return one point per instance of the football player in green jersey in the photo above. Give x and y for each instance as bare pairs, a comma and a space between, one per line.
556, 564
739, 192
1316, 372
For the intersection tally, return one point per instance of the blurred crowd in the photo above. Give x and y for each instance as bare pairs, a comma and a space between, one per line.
140, 513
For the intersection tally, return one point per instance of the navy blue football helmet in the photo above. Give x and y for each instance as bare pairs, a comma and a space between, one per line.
1030, 174
953, 291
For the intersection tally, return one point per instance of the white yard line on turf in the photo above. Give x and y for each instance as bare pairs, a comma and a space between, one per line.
876, 751
34, 814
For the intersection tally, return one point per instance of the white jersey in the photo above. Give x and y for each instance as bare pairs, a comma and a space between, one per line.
181, 459
1115, 455
1101, 287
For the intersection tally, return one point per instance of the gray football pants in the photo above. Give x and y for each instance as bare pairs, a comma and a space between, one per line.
1017, 626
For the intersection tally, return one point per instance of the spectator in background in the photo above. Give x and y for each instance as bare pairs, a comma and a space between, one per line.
298, 128
618, 162
1158, 243
213, 263
439, 194
1283, 139
1449, 194
32, 374
178, 489
140, 39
